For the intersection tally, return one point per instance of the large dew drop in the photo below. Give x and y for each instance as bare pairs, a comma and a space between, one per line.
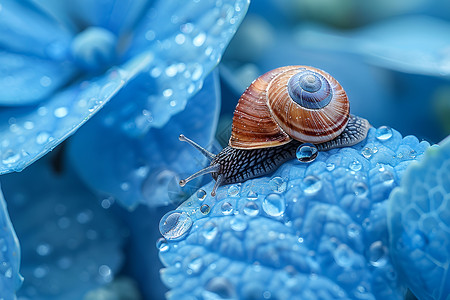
311, 185
383, 133
175, 224
306, 153
274, 205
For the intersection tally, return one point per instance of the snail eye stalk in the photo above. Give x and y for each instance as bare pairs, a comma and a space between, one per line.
205, 152
211, 169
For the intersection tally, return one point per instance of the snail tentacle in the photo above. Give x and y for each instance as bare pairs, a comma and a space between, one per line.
205, 152
219, 181
211, 169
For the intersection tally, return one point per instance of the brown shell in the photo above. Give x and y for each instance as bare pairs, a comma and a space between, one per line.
266, 116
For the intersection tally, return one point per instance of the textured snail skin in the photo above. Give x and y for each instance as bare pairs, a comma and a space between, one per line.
239, 165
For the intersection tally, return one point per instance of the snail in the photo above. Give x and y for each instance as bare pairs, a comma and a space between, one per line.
277, 113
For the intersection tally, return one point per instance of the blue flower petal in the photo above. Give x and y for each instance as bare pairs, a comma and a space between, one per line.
142, 260
25, 29
118, 16
143, 169
187, 39
309, 231
419, 224
70, 244
30, 132
26, 80
404, 44
10, 279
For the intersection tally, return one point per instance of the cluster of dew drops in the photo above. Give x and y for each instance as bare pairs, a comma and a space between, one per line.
176, 224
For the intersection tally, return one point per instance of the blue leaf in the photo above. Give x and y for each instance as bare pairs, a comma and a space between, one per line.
142, 169
309, 231
419, 224
66, 236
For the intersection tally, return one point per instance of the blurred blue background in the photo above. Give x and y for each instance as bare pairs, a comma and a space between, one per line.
132, 75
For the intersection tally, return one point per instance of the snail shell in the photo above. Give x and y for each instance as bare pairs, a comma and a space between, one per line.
293, 102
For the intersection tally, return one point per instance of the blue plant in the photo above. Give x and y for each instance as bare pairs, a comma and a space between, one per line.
60, 63
10, 279
55, 82
316, 231
419, 224
65, 235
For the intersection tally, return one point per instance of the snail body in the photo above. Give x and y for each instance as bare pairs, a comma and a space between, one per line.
278, 112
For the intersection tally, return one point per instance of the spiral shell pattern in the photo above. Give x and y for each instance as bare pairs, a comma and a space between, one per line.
294, 102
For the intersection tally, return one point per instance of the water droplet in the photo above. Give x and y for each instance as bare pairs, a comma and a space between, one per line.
378, 254
353, 230
311, 185
251, 209
277, 184
360, 189
252, 196
226, 208
366, 152
45, 81
387, 178
124, 186
201, 195
196, 265
197, 72
63, 222
107, 202
343, 256
233, 190
43, 249
28, 125
42, 137
3, 246
219, 288
106, 273
162, 245
205, 209
238, 223
8, 273
175, 224
355, 165
40, 271
306, 153
180, 39
167, 93
274, 205
383, 133
10, 157
330, 167
61, 112
210, 230
199, 39
65, 262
